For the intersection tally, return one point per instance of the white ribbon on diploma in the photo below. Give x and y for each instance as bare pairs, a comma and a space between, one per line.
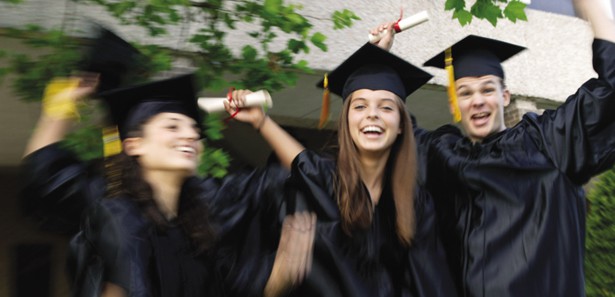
213, 105
404, 24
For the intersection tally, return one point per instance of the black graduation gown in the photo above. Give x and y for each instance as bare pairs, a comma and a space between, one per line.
372, 262
512, 208
60, 188
125, 248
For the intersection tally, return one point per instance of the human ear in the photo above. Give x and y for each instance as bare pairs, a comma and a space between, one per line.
506, 97
132, 146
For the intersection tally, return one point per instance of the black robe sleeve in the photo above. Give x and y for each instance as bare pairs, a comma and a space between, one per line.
245, 209
57, 188
314, 174
579, 135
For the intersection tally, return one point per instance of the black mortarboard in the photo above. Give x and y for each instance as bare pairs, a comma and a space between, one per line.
373, 68
477, 56
472, 56
112, 57
130, 107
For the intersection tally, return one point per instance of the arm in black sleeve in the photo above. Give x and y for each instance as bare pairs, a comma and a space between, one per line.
579, 136
57, 188
245, 208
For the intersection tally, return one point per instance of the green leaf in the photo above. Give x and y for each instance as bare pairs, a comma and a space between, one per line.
295, 45
318, 39
303, 66
249, 53
515, 10
273, 6
463, 16
456, 5
343, 19
486, 9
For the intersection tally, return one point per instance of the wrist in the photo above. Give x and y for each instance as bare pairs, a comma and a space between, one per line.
259, 125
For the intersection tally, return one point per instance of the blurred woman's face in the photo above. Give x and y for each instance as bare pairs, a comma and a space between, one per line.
170, 142
373, 120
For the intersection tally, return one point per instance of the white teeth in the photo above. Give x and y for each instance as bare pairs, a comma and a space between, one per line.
185, 149
372, 129
480, 115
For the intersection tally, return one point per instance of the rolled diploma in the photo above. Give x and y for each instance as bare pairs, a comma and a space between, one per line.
258, 98
404, 24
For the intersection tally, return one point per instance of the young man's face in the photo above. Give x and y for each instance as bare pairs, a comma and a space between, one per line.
481, 102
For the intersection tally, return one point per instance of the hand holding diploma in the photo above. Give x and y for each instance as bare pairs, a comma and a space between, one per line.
403, 25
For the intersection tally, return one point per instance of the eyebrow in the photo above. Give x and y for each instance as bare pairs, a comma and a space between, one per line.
365, 99
490, 81
175, 119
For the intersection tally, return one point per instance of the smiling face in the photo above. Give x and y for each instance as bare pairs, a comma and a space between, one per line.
481, 102
373, 120
168, 142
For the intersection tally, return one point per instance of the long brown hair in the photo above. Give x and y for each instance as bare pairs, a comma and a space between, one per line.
354, 200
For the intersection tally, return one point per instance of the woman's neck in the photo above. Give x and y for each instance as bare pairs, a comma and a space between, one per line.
372, 172
166, 188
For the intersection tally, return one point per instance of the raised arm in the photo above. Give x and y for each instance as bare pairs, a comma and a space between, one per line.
293, 260
594, 11
283, 144
59, 110
578, 135
386, 42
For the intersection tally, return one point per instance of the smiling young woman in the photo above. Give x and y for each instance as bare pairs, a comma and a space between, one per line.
376, 234
154, 228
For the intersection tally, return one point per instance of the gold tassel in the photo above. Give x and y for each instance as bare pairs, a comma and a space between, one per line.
452, 94
111, 140
324, 111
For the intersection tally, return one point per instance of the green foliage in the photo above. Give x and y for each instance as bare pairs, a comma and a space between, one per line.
343, 19
490, 10
86, 141
256, 66
214, 161
600, 239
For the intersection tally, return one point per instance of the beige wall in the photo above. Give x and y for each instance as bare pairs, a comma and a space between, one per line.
558, 59
16, 116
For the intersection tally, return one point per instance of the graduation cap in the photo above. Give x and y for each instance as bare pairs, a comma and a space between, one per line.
112, 57
130, 107
371, 67
472, 56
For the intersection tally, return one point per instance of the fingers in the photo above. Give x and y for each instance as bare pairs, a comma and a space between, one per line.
295, 250
239, 97
312, 233
382, 27
303, 239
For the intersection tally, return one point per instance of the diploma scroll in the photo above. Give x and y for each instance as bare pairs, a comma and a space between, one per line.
213, 105
403, 24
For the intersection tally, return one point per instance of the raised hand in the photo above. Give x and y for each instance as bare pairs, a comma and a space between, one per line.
386, 42
293, 260
255, 115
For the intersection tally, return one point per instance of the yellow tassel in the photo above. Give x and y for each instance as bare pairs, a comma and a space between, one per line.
111, 140
452, 94
324, 111
57, 100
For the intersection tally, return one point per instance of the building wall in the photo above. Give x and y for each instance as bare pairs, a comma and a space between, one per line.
557, 60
